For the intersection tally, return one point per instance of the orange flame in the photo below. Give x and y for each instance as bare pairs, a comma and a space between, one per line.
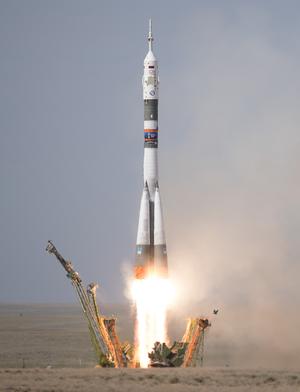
152, 297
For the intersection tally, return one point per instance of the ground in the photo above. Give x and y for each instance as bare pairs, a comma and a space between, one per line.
46, 348
205, 379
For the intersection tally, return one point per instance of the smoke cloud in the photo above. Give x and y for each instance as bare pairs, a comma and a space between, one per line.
232, 185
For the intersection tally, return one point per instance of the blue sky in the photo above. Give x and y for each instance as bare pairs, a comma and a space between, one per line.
71, 151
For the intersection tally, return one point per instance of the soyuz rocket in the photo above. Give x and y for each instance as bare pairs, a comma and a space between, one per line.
151, 250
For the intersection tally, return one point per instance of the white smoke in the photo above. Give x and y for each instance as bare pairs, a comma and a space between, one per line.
230, 181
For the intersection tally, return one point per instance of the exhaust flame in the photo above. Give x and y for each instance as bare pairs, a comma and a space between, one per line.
152, 297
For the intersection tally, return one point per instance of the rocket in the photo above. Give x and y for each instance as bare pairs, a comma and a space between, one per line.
151, 250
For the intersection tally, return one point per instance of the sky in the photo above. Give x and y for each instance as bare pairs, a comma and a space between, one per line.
71, 151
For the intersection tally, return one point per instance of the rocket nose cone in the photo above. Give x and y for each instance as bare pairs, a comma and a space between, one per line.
150, 57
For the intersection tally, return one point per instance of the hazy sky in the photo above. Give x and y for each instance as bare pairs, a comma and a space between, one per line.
71, 150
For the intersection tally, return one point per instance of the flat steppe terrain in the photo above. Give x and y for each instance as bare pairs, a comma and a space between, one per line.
51, 335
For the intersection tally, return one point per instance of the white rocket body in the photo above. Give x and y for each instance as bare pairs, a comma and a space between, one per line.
151, 251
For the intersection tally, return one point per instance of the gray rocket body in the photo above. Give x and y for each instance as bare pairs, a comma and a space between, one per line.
151, 250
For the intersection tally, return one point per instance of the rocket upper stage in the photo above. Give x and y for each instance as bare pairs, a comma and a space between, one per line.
151, 251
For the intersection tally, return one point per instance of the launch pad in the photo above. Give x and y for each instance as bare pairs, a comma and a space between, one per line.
110, 352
